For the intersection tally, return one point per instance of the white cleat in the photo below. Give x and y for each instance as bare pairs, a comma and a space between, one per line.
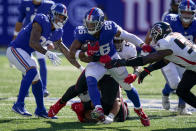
183, 111
165, 102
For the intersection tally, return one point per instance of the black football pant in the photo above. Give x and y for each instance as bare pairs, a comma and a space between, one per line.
183, 90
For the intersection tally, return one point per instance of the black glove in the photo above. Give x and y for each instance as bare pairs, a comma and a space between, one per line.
143, 74
115, 63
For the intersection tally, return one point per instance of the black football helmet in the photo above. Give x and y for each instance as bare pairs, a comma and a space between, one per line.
160, 30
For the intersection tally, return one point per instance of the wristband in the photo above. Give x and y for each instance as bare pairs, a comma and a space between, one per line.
147, 71
77, 54
15, 33
81, 68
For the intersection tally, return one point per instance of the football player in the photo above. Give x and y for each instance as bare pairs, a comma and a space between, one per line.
27, 11
173, 73
126, 50
171, 47
183, 23
101, 32
48, 29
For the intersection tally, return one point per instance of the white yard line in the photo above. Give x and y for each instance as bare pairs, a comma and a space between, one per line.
146, 103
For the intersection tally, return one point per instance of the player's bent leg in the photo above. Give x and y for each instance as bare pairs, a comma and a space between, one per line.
172, 78
43, 71
19, 106
184, 87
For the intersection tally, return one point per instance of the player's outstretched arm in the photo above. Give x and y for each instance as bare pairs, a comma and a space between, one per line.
66, 53
139, 61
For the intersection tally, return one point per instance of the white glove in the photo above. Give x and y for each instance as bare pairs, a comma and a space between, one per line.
108, 119
53, 58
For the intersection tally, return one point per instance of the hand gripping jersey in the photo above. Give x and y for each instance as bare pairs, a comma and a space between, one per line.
47, 35
128, 50
184, 52
27, 10
176, 25
107, 34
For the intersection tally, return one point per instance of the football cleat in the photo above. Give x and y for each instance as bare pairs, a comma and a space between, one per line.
143, 117
183, 111
166, 102
43, 114
54, 109
46, 93
79, 110
20, 109
98, 113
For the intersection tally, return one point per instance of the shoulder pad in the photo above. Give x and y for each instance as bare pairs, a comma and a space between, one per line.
170, 17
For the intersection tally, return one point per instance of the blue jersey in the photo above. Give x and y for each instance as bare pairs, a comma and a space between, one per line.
27, 10
107, 33
176, 25
47, 35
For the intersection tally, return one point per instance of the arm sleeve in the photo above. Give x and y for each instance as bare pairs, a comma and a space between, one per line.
21, 11
131, 38
157, 65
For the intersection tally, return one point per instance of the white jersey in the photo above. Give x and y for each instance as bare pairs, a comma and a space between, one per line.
128, 50
184, 52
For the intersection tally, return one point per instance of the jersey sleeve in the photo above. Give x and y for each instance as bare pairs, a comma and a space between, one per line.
21, 10
43, 22
131, 50
162, 45
79, 34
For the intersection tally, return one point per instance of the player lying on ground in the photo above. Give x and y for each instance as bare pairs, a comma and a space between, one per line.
171, 47
114, 107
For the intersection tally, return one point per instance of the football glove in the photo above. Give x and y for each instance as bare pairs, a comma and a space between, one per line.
146, 48
53, 58
142, 75
105, 59
92, 48
130, 78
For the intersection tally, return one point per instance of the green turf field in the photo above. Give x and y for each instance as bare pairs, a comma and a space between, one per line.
59, 79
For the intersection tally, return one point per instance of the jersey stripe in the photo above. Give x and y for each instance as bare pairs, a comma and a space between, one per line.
188, 3
89, 16
19, 58
188, 61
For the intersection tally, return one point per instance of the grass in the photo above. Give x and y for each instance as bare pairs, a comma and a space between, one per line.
59, 79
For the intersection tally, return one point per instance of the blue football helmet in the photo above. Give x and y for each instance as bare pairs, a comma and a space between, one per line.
59, 15
94, 20
187, 11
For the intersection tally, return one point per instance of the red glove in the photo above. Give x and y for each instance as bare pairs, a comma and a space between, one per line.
146, 48
105, 59
130, 78
92, 48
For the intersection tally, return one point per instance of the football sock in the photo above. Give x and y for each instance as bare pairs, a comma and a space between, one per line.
167, 90
25, 84
69, 94
38, 94
93, 90
181, 103
43, 72
134, 97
